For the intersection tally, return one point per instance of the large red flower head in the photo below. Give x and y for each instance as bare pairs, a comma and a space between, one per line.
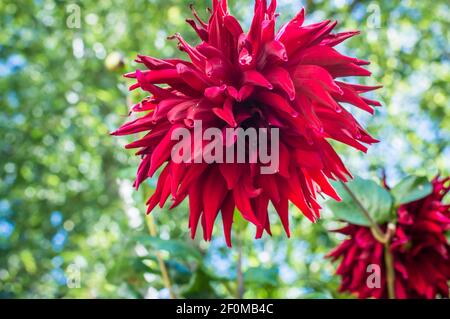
258, 79
420, 250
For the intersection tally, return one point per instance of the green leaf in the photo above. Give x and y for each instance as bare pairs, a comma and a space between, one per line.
262, 276
200, 285
177, 248
410, 189
126, 268
375, 199
179, 273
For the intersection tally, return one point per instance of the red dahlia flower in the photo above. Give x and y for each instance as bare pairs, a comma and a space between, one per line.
420, 250
258, 79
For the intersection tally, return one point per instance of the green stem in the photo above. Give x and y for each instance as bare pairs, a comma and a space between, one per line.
240, 274
376, 230
380, 236
162, 265
390, 274
389, 262
240, 226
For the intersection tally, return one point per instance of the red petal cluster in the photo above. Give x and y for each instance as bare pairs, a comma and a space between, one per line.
420, 250
260, 79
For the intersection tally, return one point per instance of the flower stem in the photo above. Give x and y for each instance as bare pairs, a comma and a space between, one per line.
384, 238
390, 279
162, 265
389, 262
240, 274
375, 228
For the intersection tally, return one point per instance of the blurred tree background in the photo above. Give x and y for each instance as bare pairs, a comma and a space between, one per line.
70, 223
